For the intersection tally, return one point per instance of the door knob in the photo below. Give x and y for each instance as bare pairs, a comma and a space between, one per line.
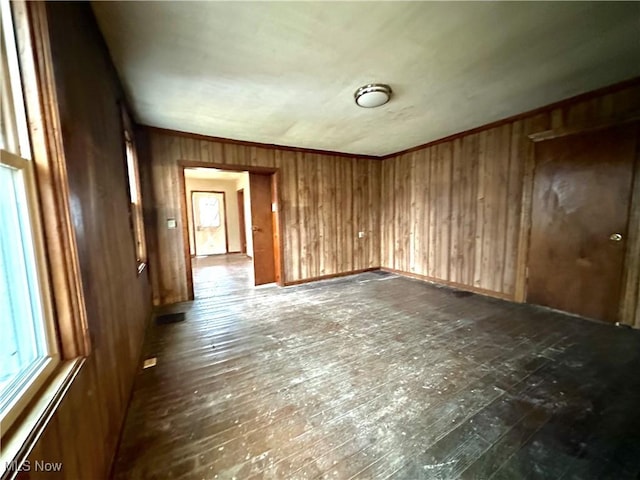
616, 237
255, 229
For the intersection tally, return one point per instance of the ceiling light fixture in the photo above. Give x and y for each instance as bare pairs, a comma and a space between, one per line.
372, 95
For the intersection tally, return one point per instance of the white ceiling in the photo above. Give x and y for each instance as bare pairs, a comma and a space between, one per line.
214, 174
285, 72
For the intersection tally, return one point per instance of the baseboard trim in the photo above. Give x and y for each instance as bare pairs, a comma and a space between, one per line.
458, 286
332, 275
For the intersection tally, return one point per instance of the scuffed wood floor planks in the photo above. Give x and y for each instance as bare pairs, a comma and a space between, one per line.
378, 376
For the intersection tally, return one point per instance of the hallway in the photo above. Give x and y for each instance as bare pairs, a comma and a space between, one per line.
220, 275
379, 376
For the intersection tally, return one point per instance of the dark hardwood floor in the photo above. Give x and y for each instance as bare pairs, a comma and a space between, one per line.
378, 376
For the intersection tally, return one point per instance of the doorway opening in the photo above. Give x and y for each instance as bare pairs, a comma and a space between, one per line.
231, 227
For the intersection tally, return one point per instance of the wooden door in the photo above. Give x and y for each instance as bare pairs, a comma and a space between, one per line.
209, 223
581, 198
242, 222
262, 226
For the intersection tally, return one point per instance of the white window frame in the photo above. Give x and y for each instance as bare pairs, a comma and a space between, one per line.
24, 388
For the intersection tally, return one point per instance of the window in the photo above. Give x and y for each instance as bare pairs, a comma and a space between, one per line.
135, 196
209, 211
28, 346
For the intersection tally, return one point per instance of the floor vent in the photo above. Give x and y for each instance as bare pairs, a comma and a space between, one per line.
461, 293
380, 273
171, 318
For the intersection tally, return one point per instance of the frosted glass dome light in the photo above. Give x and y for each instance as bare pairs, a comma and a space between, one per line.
373, 95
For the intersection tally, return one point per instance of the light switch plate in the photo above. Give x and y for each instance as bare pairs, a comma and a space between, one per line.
171, 223
360, 234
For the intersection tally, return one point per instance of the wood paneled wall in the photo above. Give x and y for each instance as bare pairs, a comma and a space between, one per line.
326, 200
84, 431
457, 211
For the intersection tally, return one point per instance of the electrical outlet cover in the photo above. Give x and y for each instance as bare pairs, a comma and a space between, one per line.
150, 362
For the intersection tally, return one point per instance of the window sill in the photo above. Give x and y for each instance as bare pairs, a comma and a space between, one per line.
26, 432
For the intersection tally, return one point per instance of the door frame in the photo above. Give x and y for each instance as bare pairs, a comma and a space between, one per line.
242, 221
278, 224
193, 219
630, 295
